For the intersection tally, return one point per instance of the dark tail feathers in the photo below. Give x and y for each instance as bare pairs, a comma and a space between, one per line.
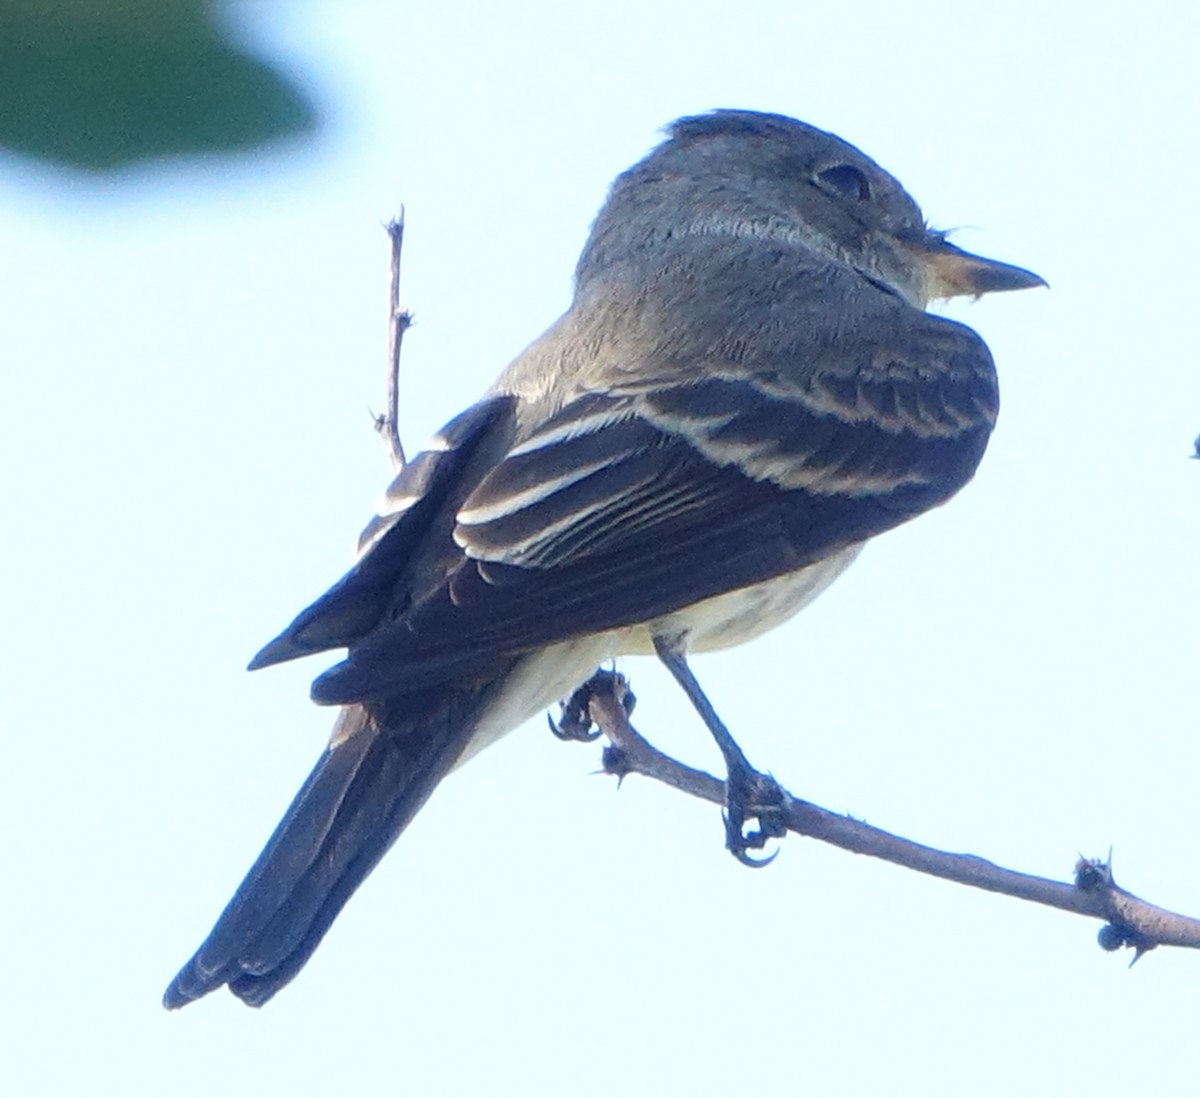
364, 790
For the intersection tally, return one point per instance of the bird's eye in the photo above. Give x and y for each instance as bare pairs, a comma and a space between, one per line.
845, 180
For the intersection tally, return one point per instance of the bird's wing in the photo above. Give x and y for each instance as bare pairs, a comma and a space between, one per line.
647, 496
418, 514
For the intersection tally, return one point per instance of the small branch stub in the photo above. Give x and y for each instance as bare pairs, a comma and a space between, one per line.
399, 321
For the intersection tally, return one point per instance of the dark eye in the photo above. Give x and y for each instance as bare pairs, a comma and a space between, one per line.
846, 180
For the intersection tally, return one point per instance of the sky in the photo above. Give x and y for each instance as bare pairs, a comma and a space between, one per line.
191, 354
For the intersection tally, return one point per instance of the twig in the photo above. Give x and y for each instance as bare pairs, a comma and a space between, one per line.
399, 321
1130, 921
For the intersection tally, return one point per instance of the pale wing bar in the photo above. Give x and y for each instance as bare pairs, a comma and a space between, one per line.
683, 507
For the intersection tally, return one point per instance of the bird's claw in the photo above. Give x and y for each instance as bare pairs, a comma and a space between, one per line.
575, 720
751, 795
573, 724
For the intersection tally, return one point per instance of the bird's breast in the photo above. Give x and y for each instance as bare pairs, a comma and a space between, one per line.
739, 616
550, 674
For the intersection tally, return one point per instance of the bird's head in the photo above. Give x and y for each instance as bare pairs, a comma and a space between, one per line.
750, 174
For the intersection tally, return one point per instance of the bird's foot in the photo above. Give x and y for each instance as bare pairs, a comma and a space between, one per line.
575, 719
750, 795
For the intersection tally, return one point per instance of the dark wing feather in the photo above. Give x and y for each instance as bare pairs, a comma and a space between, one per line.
686, 491
425, 495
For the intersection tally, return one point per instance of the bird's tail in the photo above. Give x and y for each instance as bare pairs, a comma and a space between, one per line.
372, 779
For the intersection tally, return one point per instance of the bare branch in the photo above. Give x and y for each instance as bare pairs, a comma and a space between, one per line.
399, 321
1130, 921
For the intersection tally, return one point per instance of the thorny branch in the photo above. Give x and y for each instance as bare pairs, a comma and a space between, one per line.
1129, 921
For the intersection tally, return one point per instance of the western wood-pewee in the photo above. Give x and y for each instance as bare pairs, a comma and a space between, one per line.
745, 389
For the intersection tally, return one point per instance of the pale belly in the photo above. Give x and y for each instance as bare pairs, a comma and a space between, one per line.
742, 615
543, 678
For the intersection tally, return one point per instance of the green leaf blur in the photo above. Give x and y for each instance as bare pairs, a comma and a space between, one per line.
102, 85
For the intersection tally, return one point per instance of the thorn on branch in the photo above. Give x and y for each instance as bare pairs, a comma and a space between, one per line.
1092, 874
1129, 920
615, 760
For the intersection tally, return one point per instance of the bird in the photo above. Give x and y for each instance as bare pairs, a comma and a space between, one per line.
745, 389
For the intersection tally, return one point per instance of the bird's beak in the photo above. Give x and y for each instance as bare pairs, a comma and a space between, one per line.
952, 272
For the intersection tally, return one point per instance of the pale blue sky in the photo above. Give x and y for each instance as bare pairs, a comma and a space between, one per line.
190, 352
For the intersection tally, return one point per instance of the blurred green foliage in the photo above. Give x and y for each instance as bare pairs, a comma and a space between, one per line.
103, 84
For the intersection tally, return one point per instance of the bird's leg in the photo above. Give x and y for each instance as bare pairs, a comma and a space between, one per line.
748, 793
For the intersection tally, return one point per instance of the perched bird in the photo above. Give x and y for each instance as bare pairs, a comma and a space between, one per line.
744, 390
